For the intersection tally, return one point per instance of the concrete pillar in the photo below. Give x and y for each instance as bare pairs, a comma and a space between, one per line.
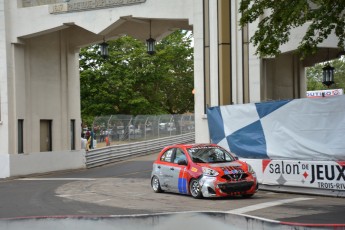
4, 72
224, 47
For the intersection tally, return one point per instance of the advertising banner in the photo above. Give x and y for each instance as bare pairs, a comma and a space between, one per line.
312, 174
324, 93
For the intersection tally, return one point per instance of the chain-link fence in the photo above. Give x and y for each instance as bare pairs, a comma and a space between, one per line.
119, 129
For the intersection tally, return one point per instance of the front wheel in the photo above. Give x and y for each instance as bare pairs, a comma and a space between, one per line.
194, 188
156, 186
247, 195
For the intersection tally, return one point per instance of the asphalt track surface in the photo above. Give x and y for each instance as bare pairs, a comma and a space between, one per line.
124, 188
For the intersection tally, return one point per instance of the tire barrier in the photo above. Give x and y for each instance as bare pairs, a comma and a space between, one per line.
107, 155
184, 220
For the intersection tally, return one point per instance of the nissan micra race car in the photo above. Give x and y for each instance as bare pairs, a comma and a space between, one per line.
202, 170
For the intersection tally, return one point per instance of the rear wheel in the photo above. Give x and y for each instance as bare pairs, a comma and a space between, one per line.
194, 188
155, 184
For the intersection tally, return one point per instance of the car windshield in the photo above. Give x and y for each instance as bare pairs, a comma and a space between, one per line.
209, 154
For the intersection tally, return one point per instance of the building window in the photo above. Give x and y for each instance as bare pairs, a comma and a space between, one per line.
20, 136
45, 135
72, 134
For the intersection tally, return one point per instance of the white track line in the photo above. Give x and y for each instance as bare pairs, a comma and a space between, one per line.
67, 179
266, 205
76, 194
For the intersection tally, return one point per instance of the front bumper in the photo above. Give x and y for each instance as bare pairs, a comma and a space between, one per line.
211, 187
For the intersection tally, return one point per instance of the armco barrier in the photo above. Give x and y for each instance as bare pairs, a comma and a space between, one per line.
185, 220
106, 155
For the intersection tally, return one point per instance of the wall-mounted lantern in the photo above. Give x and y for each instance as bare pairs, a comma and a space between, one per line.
151, 44
104, 49
328, 75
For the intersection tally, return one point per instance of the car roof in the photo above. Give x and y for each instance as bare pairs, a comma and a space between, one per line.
193, 145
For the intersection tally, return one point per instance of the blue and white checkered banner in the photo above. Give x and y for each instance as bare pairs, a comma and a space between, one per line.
305, 129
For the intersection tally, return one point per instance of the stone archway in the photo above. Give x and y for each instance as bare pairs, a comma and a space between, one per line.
43, 39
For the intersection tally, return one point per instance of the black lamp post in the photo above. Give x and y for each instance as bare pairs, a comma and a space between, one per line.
151, 44
328, 75
104, 49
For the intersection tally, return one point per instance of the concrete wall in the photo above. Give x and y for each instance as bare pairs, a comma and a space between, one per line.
48, 88
186, 220
283, 78
38, 20
26, 164
4, 127
4, 165
43, 162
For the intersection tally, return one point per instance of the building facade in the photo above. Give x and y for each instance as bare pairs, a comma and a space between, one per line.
40, 122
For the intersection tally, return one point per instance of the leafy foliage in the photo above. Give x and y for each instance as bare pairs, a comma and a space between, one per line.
322, 17
314, 75
132, 82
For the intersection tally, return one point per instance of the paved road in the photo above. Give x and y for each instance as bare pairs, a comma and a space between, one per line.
124, 188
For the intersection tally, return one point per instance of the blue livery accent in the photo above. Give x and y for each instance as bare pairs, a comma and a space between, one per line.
182, 185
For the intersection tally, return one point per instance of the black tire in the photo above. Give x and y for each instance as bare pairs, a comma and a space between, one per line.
194, 189
155, 184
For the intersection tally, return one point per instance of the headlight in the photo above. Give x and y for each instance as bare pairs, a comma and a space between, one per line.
209, 172
250, 169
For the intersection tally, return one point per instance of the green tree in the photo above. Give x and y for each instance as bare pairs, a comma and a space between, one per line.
132, 82
314, 75
174, 65
323, 18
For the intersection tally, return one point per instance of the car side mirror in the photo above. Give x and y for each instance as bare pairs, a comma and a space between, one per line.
182, 162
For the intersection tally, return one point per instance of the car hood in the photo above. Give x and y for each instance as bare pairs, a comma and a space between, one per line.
220, 167
225, 164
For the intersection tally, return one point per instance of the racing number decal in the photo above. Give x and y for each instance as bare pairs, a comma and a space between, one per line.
194, 169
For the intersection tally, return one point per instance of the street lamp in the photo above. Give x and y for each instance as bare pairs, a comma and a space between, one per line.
104, 49
151, 44
328, 75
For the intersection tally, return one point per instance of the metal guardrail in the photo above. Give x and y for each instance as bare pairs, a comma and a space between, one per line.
107, 155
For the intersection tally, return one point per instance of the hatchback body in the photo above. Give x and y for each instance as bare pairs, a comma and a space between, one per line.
202, 170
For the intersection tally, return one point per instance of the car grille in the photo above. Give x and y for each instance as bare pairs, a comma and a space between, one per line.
236, 186
235, 177
232, 173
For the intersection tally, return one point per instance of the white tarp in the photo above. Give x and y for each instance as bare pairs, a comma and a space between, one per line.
300, 129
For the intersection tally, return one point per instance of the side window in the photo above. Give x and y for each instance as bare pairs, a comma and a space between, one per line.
220, 155
167, 155
179, 155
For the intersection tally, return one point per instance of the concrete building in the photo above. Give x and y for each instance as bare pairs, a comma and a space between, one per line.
40, 122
